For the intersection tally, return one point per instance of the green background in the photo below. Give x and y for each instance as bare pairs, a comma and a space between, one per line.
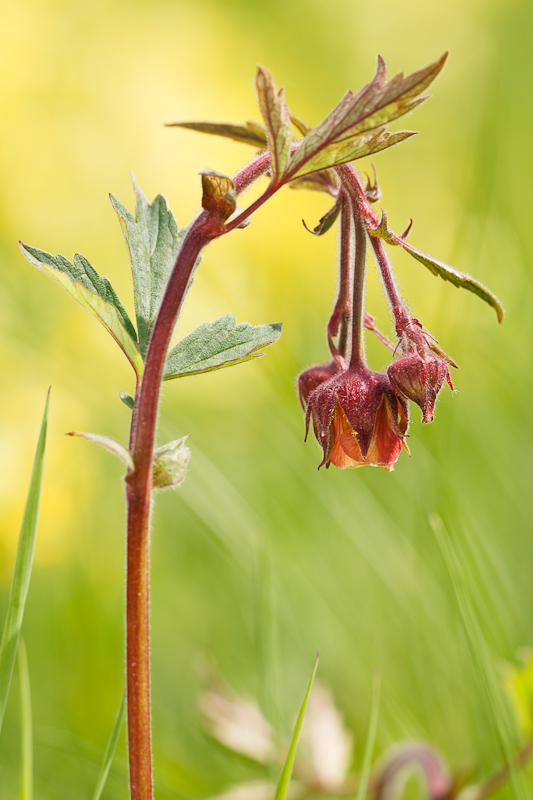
259, 560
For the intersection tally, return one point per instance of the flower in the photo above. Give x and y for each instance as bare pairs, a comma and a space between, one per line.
358, 419
420, 379
311, 378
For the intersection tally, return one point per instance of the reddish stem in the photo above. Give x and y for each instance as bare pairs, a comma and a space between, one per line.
340, 319
357, 355
402, 318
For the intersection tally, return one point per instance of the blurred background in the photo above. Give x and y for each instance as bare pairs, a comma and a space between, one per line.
259, 560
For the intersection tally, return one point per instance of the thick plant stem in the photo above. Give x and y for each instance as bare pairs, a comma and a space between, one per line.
357, 355
205, 228
402, 318
339, 321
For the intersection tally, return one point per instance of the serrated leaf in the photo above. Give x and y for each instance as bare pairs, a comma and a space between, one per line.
110, 444
460, 279
350, 150
282, 788
218, 193
326, 221
374, 106
220, 344
23, 568
277, 121
94, 292
153, 243
249, 133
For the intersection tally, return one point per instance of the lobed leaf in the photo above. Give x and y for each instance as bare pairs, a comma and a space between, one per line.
249, 133
23, 567
282, 788
153, 243
220, 344
374, 106
94, 292
110, 444
277, 121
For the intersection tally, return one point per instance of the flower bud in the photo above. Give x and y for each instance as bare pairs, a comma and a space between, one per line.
358, 419
420, 379
311, 378
170, 464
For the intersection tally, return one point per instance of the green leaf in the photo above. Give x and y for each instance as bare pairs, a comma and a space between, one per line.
26, 727
94, 292
286, 773
110, 444
23, 566
326, 221
459, 279
170, 464
127, 399
349, 150
376, 105
249, 133
370, 740
110, 750
277, 120
217, 345
218, 193
153, 242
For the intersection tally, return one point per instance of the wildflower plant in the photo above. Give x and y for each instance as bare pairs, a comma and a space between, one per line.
359, 416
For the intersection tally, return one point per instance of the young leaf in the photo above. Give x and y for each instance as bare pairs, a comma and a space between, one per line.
375, 106
286, 773
127, 399
110, 750
249, 133
23, 565
110, 444
217, 345
218, 193
26, 727
326, 221
277, 120
153, 243
170, 464
459, 279
94, 292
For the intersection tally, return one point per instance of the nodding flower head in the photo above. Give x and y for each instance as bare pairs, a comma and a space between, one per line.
311, 378
420, 378
358, 419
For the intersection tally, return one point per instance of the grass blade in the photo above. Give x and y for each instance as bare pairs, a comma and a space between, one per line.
26, 765
110, 750
370, 739
286, 773
23, 565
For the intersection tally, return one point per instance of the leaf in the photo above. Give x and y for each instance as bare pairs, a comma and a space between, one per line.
110, 750
22, 573
26, 727
277, 120
218, 193
459, 279
370, 740
249, 133
286, 773
170, 464
217, 345
94, 292
127, 399
153, 242
349, 150
110, 444
326, 221
375, 105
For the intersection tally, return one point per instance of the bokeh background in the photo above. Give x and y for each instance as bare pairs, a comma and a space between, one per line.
259, 560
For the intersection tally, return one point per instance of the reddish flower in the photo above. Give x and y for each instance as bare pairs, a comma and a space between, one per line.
311, 378
358, 419
420, 379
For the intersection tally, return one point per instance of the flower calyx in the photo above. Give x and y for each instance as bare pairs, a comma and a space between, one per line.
358, 419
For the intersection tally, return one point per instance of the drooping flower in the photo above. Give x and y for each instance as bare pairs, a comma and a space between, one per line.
420, 378
358, 419
308, 380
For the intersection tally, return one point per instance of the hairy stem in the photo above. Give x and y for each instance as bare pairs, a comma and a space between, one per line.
402, 318
357, 355
340, 319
